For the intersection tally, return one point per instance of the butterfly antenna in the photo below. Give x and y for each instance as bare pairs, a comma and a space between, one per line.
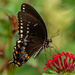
55, 47
56, 34
51, 51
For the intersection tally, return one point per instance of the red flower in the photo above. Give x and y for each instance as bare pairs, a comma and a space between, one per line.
63, 62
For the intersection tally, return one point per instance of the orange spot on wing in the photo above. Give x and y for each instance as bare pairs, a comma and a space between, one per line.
23, 47
26, 55
16, 52
18, 63
15, 57
18, 46
22, 51
21, 41
25, 43
15, 61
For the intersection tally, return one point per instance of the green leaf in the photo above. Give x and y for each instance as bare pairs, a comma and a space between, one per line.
6, 11
69, 74
59, 74
46, 74
52, 71
49, 74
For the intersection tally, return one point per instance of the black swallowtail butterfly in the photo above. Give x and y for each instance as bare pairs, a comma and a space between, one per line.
32, 35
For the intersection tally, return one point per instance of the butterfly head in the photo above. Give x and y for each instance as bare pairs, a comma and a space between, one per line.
50, 40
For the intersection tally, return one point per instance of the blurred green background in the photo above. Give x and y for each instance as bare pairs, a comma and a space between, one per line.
57, 15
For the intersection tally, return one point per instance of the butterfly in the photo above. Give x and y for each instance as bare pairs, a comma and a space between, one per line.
32, 35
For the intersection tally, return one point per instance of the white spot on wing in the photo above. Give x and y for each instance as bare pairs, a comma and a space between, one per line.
27, 31
15, 48
21, 35
21, 27
36, 24
19, 41
20, 20
21, 23
21, 31
27, 27
24, 5
27, 24
23, 8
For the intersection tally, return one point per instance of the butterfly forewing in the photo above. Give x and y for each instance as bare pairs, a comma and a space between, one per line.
31, 20
29, 9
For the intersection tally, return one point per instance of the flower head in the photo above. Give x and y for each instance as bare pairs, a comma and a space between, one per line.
63, 62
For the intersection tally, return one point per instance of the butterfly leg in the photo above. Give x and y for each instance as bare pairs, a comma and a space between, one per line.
37, 53
52, 50
45, 54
